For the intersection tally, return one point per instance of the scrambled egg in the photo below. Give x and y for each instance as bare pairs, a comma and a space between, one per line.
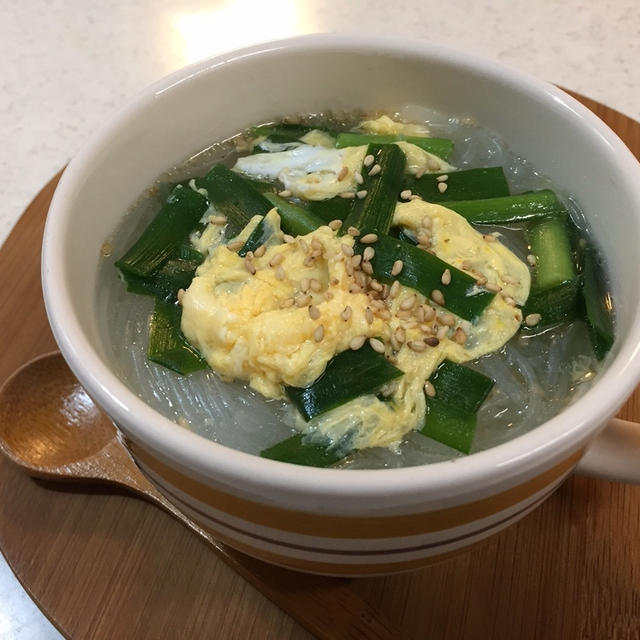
315, 170
278, 318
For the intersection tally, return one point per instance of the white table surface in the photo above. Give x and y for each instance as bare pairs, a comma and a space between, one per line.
66, 65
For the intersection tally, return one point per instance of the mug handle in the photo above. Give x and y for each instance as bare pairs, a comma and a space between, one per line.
614, 454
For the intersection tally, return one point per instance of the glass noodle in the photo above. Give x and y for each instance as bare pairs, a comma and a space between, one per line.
536, 375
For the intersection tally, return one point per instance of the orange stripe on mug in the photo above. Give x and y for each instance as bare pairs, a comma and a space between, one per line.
362, 527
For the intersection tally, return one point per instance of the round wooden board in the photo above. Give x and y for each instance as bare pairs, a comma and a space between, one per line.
105, 565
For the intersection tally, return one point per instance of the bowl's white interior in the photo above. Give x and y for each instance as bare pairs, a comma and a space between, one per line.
208, 102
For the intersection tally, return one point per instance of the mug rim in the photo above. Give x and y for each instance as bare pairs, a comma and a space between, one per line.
542, 445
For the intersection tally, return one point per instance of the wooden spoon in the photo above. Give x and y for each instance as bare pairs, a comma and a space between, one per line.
51, 428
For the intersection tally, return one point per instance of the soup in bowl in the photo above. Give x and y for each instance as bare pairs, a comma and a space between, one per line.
398, 494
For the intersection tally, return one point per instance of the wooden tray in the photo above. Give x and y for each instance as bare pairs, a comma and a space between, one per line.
105, 565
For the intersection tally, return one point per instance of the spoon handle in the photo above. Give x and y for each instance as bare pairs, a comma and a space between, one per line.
125, 472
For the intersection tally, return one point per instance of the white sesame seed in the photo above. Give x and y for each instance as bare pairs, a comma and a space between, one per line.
279, 272
375, 170
180, 295
358, 176
397, 267
494, 288
235, 245
346, 313
446, 277
443, 178
367, 268
368, 253
318, 334
314, 312
415, 196
447, 319
368, 314
347, 195
531, 259
506, 278
368, 161
408, 303
481, 281
352, 231
343, 173
308, 261
420, 172
406, 194
532, 319
347, 250
488, 237
417, 345
509, 300
303, 300
315, 285
304, 284
361, 194
437, 297
357, 342
348, 267
285, 193
395, 345
304, 247
356, 260
276, 260
369, 238
442, 332
249, 266
385, 314
334, 225
429, 389
395, 288
285, 304
218, 220
424, 238
259, 252
442, 187
400, 335
288, 239
459, 337
376, 345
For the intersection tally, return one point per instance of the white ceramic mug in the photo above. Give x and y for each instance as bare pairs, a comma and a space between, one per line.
331, 521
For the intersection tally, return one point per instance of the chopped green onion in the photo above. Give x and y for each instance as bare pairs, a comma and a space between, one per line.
423, 271
461, 386
233, 197
296, 451
449, 424
175, 221
295, 219
549, 241
524, 206
468, 184
374, 212
440, 147
332, 209
167, 345
599, 307
349, 375
164, 284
